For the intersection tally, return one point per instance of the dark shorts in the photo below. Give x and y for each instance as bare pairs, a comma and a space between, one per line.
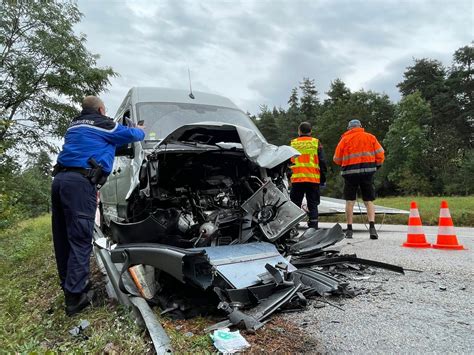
352, 184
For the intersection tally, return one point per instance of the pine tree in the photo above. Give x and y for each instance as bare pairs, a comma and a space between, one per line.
309, 100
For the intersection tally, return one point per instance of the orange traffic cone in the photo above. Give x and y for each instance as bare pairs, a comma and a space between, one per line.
446, 236
415, 236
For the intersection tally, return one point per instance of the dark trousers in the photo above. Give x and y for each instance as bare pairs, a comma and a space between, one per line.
311, 190
74, 203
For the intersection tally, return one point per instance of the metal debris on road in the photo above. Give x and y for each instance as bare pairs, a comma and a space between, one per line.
247, 281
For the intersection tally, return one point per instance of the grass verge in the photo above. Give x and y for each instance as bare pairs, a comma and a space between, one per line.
460, 207
32, 317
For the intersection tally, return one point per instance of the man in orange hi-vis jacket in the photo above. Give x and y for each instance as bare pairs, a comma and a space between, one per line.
360, 155
308, 171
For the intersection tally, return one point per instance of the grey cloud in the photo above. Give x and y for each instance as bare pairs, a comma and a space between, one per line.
294, 64
272, 44
388, 80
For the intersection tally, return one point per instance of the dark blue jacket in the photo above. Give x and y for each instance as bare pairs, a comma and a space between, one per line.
93, 135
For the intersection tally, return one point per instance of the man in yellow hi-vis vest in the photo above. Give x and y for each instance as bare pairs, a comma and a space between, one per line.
308, 172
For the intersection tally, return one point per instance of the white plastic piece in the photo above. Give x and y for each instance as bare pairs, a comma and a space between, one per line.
228, 342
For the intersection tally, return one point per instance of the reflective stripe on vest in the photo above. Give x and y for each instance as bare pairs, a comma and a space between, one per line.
306, 166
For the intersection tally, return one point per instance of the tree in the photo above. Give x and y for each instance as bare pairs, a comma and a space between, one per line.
288, 123
44, 70
293, 100
309, 100
9, 171
426, 76
461, 84
267, 125
458, 179
408, 148
338, 91
374, 110
24, 192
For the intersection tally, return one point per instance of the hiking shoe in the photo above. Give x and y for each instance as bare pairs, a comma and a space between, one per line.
348, 234
373, 233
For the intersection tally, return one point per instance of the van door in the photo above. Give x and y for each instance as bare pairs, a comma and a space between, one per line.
123, 170
108, 192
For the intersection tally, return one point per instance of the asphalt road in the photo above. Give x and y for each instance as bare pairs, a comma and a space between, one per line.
420, 312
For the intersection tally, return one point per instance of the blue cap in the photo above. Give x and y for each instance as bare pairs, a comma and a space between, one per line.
354, 124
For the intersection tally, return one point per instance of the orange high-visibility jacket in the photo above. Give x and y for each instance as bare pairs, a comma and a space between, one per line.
358, 152
305, 167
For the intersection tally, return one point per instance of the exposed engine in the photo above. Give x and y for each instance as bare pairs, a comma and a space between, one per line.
196, 200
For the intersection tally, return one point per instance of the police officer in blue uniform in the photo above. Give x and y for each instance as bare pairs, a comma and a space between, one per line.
86, 160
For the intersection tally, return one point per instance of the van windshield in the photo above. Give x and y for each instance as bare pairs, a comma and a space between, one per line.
161, 119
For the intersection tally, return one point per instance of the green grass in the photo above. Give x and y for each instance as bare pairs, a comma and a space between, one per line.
188, 336
461, 209
32, 317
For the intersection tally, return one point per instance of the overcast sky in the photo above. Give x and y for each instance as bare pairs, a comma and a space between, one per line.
255, 52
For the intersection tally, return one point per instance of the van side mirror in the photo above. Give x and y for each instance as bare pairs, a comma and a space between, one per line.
126, 150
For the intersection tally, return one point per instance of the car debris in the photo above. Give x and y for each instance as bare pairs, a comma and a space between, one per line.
198, 220
248, 281
77, 330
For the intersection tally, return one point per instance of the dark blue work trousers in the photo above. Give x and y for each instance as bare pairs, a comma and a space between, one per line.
74, 203
311, 190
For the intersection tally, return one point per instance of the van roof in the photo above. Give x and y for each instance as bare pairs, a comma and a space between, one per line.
157, 94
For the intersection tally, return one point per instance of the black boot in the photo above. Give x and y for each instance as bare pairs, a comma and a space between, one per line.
76, 302
373, 233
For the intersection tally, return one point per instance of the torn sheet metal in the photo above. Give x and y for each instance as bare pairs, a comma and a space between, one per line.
317, 282
255, 147
313, 240
345, 259
252, 319
243, 265
135, 165
262, 153
250, 295
237, 317
272, 303
273, 212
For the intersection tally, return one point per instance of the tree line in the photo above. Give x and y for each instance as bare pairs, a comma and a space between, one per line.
427, 136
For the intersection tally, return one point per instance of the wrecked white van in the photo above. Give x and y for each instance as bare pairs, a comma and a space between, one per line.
204, 175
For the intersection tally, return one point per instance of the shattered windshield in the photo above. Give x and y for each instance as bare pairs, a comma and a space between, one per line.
161, 119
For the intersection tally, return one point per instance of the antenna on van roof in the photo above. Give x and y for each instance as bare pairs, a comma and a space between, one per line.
190, 87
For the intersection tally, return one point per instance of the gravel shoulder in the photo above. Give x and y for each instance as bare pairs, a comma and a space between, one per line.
419, 312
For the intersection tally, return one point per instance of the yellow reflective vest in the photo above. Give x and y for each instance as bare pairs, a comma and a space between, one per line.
305, 168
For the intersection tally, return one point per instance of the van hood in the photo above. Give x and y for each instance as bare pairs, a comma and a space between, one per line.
228, 136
